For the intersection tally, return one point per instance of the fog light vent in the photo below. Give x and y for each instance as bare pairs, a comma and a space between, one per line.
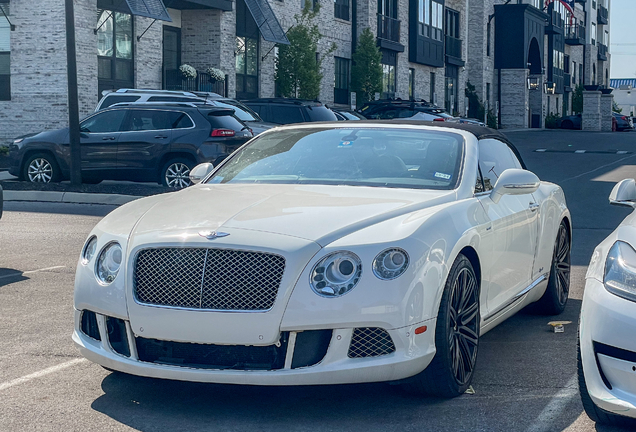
89, 325
370, 342
117, 336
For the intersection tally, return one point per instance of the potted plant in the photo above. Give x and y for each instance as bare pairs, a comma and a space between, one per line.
187, 71
215, 74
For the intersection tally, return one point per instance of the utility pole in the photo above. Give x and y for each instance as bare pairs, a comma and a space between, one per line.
73, 102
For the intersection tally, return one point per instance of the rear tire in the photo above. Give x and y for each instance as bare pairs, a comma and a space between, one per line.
595, 413
175, 173
456, 337
41, 168
556, 294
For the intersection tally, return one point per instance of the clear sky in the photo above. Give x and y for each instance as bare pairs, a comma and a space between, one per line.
623, 38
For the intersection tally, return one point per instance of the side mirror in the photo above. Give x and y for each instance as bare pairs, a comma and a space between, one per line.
624, 193
514, 182
199, 172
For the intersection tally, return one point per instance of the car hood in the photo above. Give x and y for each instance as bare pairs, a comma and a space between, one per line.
56, 136
313, 212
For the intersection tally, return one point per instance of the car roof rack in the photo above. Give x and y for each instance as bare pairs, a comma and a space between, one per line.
150, 91
294, 101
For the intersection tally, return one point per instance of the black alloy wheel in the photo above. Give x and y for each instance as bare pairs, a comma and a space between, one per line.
556, 294
456, 336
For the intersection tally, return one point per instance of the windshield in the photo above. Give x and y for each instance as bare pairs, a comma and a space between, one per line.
382, 157
240, 110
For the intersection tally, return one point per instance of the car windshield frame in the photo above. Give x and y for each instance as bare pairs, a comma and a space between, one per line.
218, 176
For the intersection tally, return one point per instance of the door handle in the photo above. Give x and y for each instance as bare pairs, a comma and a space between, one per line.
161, 136
109, 138
533, 207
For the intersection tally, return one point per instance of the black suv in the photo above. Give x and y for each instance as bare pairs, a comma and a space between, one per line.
138, 142
286, 111
388, 109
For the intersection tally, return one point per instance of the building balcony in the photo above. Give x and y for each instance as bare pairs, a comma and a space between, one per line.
453, 51
173, 80
389, 33
575, 34
602, 51
602, 15
555, 23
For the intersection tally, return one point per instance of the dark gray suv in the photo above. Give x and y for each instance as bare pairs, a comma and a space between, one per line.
141, 142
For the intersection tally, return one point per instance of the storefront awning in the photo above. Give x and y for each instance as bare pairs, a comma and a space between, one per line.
154, 9
266, 21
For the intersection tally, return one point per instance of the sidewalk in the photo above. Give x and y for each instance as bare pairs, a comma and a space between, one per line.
69, 197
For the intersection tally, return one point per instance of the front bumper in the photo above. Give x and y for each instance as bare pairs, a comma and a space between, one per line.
608, 349
411, 355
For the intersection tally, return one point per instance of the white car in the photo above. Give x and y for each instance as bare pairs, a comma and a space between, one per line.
607, 346
324, 254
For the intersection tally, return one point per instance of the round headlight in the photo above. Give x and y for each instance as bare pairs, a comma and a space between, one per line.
390, 263
89, 250
336, 274
108, 263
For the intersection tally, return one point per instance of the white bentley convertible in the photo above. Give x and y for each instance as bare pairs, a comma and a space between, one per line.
325, 254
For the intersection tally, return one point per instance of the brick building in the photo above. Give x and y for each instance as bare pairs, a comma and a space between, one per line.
430, 49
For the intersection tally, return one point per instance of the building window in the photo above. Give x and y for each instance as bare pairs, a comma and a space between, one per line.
488, 95
581, 73
5, 53
114, 50
488, 31
411, 83
606, 38
593, 33
537, 4
341, 87
450, 91
389, 66
312, 4
341, 9
431, 19
246, 60
433, 95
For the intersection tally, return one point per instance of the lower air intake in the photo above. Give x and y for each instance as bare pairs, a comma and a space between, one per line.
370, 342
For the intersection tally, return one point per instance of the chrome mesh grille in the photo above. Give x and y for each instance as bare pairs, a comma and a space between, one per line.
370, 342
217, 279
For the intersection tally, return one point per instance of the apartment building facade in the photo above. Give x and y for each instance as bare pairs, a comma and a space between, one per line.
430, 50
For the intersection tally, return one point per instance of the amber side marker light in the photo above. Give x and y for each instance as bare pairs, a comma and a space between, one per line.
420, 330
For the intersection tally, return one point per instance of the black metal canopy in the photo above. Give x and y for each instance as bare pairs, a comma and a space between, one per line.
266, 21
149, 8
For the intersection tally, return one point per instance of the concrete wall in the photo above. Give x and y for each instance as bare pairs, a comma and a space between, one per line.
591, 119
515, 106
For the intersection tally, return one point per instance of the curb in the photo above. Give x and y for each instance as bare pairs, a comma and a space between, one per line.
68, 197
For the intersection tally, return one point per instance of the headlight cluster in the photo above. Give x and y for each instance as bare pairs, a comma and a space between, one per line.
107, 264
620, 271
390, 264
336, 274
339, 272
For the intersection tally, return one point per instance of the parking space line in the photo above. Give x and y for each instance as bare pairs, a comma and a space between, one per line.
43, 372
31, 271
544, 421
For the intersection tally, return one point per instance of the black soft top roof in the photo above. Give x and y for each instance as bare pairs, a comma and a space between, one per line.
480, 132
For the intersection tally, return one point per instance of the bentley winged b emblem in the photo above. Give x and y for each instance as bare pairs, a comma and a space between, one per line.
211, 235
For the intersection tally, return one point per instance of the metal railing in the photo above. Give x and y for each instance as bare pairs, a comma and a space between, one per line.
602, 51
602, 15
453, 47
575, 32
388, 28
174, 80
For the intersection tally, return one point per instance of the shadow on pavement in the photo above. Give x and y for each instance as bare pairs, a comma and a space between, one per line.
522, 356
9, 276
57, 208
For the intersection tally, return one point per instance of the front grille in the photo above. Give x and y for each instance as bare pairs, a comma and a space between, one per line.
370, 342
213, 279
207, 356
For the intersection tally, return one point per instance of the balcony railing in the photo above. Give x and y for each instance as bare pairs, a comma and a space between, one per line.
555, 23
567, 80
602, 15
388, 28
575, 34
602, 51
173, 80
453, 47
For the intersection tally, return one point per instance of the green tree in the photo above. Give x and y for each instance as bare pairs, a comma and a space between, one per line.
577, 99
366, 72
616, 108
297, 66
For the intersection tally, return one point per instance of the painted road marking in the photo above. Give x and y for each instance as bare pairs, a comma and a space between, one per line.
43, 372
31, 271
617, 152
544, 421
579, 151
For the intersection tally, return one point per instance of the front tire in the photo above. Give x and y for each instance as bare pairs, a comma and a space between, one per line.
41, 168
175, 173
556, 294
456, 336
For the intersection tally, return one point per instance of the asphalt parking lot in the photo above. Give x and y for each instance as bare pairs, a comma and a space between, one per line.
525, 378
